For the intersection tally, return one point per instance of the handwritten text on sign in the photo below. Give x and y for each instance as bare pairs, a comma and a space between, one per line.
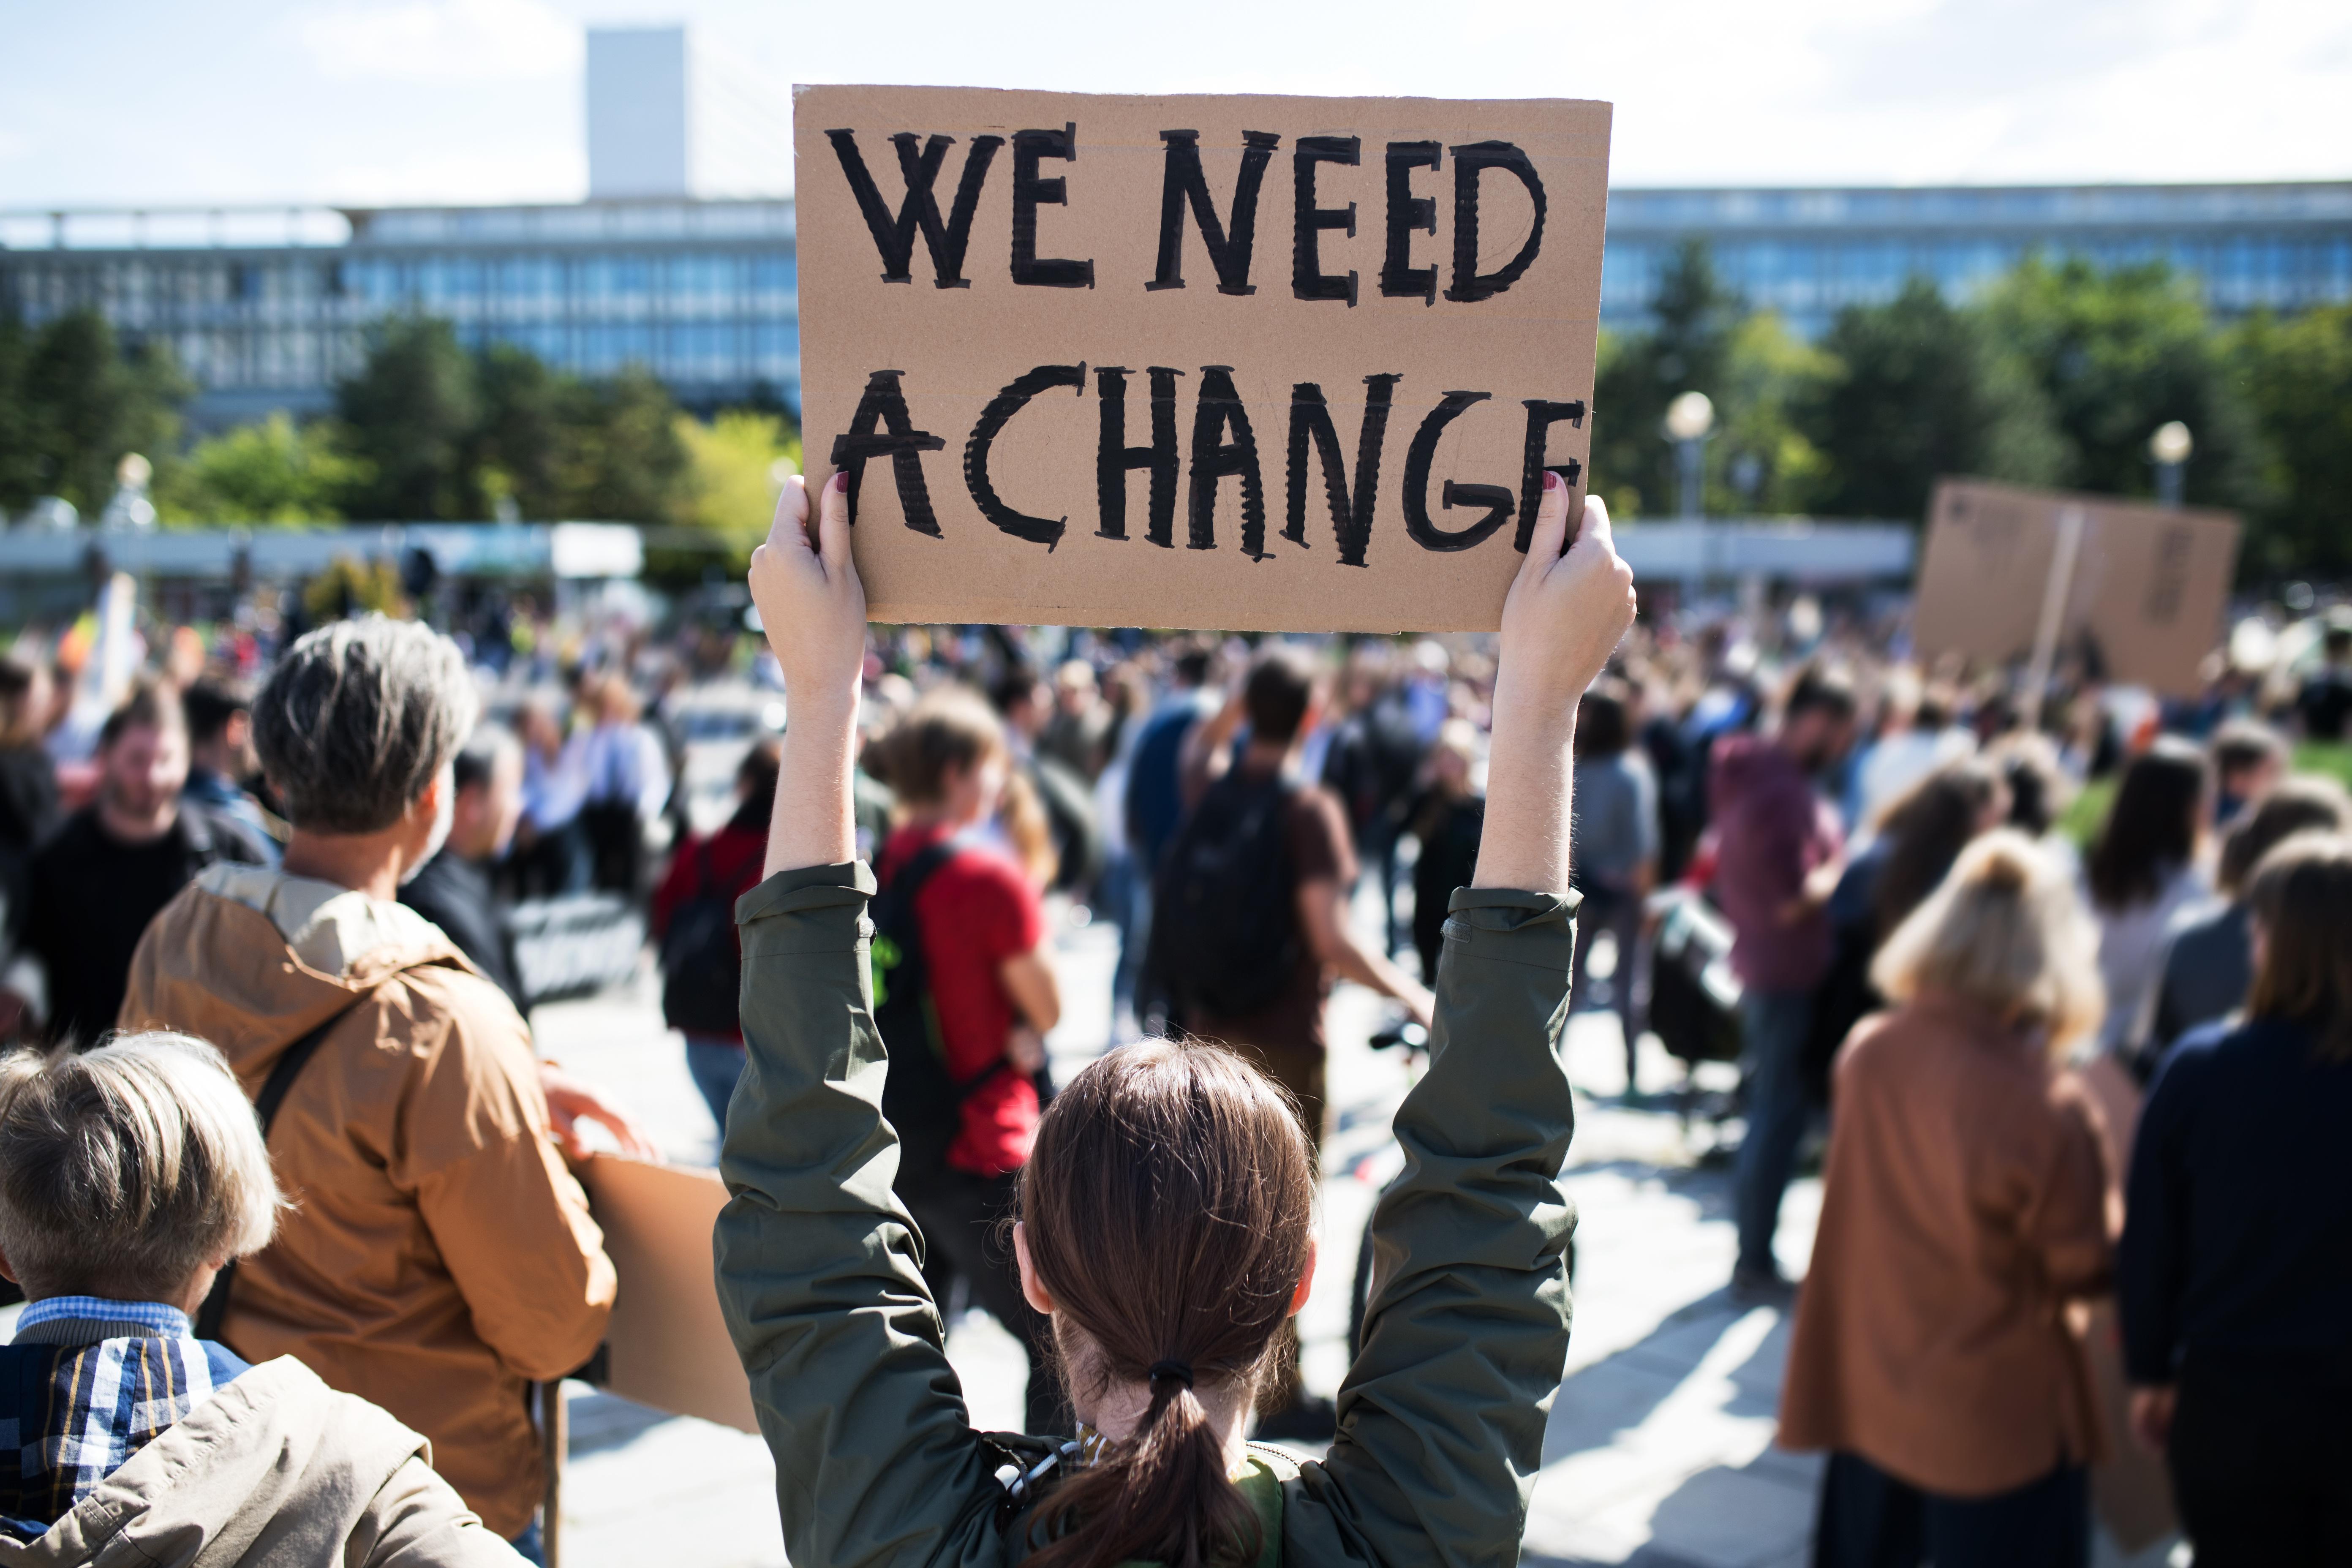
1075, 374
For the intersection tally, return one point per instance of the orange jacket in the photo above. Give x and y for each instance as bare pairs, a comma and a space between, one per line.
438, 1256
1963, 1212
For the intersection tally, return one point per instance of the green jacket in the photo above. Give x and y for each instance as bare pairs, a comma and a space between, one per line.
1441, 1417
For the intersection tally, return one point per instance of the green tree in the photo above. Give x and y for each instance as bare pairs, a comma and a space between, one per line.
2296, 373
620, 459
734, 476
1687, 350
273, 472
1916, 388
2116, 353
411, 417
518, 446
1760, 459
20, 469
77, 402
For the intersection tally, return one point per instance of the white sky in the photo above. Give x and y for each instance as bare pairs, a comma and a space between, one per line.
475, 100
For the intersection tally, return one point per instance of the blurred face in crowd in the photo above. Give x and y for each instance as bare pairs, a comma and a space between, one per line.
1818, 736
488, 813
141, 774
973, 793
2245, 785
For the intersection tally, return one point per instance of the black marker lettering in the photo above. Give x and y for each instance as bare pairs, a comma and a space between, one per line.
1308, 278
1310, 418
895, 238
1045, 531
1399, 279
1213, 457
883, 406
1541, 417
1113, 456
1229, 246
1469, 284
1496, 498
1029, 192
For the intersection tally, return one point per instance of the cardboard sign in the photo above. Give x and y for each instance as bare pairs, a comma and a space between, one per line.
668, 1345
1230, 363
2144, 603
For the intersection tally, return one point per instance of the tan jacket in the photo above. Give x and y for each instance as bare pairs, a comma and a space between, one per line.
439, 1255
1963, 1211
274, 1471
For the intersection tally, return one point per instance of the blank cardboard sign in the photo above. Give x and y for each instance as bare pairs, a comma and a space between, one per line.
1260, 364
2147, 592
670, 1346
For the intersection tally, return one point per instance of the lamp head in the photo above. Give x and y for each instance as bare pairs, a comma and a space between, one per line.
2172, 443
1690, 416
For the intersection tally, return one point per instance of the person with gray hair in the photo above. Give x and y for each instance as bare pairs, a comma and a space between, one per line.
131, 1176
442, 1257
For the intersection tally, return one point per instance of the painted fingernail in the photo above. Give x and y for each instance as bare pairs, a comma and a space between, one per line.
1551, 480
840, 480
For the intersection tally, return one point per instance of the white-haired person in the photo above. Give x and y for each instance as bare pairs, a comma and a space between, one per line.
130, 1176
1963, 1211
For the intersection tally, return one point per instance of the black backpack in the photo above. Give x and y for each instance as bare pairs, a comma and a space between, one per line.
1224, 911
702, 966
920, 1099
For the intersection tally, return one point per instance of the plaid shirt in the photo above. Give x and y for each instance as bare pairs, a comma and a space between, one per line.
87, 1383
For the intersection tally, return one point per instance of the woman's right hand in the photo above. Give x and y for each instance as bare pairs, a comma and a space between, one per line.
810, 603
1565, 613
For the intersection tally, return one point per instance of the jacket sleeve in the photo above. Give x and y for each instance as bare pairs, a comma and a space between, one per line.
2152, 1262
2065, 1222
820, 1268
510, 1221
1441, 1417
416, 1520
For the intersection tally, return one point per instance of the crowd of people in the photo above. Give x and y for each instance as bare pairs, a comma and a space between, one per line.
2062, 1057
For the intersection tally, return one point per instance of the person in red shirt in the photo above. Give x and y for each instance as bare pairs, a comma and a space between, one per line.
695, 903
983, 926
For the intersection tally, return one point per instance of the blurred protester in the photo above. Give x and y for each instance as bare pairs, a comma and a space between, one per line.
2236, 1288
963, 978
694, 924
2208, 962
1778, 845
1114, 895
2145, 870
1250, 922
101, 877
130, 1177
1447, 821
2249, 757
2324, 703
1963, 1209
553, 856
453, 890
628, 779
1918, 736
28, 792
1912, 846
1074, 735
1615, 817
2039, 788
221, 761
443, 1256
1042, 784
1155, 800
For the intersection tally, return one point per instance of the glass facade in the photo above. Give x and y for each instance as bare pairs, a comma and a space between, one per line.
268, 308
1808, 254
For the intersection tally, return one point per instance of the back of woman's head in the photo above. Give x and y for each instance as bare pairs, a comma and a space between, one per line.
949, 731
2301, 897
1926, 828
2006, 932
2152, 828
2308, 803
1604, 719
1167, 1211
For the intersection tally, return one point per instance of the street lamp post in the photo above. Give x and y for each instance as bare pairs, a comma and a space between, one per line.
1689, 417
2169, 448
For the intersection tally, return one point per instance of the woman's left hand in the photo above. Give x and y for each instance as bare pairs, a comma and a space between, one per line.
810, 603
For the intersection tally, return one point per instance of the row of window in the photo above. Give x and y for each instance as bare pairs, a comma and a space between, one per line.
682, 353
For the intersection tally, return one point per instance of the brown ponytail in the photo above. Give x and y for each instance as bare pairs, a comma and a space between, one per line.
1166, 1209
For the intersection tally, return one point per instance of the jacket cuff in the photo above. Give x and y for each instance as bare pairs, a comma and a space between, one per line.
806, 889
1510, 922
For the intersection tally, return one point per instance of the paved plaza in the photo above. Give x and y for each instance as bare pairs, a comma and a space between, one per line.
1660, 1449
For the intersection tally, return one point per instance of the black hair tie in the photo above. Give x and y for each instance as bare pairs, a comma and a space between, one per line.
1181, 1371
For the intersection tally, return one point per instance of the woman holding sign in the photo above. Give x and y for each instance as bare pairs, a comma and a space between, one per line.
1165, 1214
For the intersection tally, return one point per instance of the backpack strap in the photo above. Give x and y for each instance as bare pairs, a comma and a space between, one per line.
909, 879
282, 1074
